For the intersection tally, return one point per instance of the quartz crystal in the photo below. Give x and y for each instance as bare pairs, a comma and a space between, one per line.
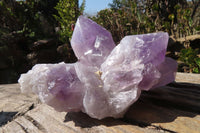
106, 79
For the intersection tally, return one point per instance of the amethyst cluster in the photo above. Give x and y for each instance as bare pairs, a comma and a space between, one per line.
107, 79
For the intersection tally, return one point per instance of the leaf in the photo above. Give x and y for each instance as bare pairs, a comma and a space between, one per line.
171, 16
197, 60
196, 70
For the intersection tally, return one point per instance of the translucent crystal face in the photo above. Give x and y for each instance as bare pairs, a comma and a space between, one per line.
91, 42
107, 79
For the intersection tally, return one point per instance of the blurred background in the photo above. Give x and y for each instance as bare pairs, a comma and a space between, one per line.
39, 31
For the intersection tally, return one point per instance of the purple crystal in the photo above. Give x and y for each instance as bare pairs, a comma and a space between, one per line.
107, 79
91, 43
56, 85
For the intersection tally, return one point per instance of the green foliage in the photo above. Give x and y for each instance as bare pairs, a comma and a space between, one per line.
26, 17
121, 21
197, 28
184, 21
118, 4
82, 7
190, 58
137, 17
68, 12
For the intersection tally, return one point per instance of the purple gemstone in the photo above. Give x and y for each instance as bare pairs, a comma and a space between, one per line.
56, 85
107, 79
91, 42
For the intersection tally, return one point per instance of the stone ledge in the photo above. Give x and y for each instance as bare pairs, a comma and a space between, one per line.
172, 108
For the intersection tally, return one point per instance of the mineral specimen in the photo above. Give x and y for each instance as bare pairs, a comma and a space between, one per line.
107, 79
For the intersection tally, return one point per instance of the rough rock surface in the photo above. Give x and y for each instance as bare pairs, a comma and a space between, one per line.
170, 109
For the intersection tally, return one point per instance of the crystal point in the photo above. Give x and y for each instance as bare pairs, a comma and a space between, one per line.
91, 42
107, 79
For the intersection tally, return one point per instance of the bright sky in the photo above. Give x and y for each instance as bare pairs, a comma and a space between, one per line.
93, 6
